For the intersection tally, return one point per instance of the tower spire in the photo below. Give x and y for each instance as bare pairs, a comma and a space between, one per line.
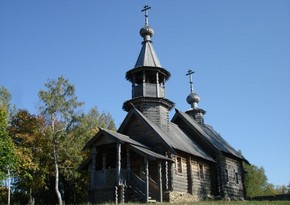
148, 80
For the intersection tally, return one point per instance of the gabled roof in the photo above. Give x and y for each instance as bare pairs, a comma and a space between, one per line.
120, 138
158, 132
147, 153
209, 135
112, 135
180, 141
173, 139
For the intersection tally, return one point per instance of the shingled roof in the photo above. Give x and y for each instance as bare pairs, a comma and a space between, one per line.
174, 138
209, 135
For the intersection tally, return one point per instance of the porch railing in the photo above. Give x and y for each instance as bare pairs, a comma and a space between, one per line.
107, 178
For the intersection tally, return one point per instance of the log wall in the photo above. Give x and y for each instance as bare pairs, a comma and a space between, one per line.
231, 178
147, 137
196, 176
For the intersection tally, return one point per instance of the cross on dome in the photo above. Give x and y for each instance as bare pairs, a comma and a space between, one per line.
145, 10
192, 98
189, 73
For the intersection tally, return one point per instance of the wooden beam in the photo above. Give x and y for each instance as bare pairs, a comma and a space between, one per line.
118, 164
128, 164
166, 173
172, 175
160, 181
93, 168
146, 180
104, 160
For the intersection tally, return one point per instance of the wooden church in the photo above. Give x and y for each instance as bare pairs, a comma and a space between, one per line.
152, 158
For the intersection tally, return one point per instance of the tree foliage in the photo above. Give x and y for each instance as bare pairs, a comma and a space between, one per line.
5, 98
48, 146
32, 146
8, 159
256, 181
59, 110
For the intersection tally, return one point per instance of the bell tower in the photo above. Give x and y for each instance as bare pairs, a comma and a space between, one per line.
148, 80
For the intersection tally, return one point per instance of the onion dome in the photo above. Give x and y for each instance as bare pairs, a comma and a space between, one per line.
192, 98
146, 32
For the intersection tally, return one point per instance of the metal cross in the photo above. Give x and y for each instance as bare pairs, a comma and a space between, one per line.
146, 8
189, 73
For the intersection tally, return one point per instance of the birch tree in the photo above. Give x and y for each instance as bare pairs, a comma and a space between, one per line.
59, 108
8, 159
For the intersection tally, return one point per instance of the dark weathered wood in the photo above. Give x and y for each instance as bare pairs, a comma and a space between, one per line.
230, 187
160, 181
118, 164
104, 160
146, 180
128, 164
93, 167
189, 174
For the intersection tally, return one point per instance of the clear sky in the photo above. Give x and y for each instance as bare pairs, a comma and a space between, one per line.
239, 50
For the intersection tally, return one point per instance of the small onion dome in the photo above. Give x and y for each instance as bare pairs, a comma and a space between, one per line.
146, 32
192, 98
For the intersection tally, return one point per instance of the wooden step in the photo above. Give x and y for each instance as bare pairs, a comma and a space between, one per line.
152, 201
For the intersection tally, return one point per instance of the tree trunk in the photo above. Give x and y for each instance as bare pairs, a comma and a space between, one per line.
31, 198
8, 181
55, 154
56, 175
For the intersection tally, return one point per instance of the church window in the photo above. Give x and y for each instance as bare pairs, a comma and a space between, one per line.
201, 171
227, 175
237, 177
179, 164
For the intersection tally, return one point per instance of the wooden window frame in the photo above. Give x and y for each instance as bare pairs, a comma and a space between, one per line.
237, 177
227, 175
179, 166
201, 171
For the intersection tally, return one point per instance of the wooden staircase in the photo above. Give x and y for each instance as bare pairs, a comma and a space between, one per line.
135, 190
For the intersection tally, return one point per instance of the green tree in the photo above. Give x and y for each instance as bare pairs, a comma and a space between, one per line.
256, 180
59, 109
8, 159
28, 133
5, 98
270, 190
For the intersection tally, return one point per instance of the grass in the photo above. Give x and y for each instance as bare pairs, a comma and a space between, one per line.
219, 203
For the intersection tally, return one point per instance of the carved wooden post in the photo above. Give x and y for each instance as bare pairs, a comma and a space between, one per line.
104, 160
166, 174
118, 164
133, 86
160, 181
128, 164
172, 175
104, 166
146, 180
93, 168
144, 83
157, 84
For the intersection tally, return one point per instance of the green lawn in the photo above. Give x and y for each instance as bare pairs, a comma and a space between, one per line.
220, 203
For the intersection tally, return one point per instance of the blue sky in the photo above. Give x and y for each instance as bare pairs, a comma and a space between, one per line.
239, 50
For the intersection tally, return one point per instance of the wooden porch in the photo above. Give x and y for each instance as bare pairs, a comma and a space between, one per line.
120, 173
